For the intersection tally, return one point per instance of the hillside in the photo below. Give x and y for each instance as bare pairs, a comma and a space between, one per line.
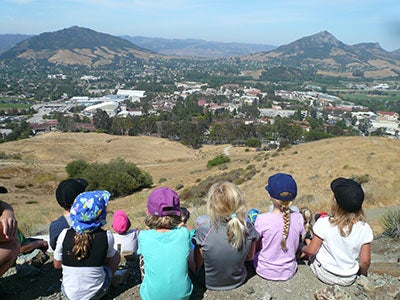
33, 179
197, 48
328, 56
75, 45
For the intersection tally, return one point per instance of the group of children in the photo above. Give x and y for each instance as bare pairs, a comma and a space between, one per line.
224, 243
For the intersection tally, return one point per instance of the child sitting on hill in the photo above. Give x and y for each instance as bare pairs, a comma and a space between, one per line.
340, 248
66, 192
280, 231
86, 252
225, 241
125, 239
164, 247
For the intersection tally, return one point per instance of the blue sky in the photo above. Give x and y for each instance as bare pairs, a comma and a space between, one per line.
274, 22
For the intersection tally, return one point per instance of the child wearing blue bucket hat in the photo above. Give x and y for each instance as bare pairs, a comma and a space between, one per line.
86, 252
280, 231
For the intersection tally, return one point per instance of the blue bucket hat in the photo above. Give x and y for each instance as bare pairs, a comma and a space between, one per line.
282, 186
88, 212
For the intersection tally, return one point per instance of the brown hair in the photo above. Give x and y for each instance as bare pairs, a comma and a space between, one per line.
344, 220
82, 243
284, 207
165, 222
225, 203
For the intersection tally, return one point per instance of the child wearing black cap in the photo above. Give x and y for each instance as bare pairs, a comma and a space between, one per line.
340, 248
66, 193
280, 231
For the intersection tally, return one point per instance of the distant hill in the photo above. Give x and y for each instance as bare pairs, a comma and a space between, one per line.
75, 45
197, 48
327, 55
318, 54
396, 53
8, 41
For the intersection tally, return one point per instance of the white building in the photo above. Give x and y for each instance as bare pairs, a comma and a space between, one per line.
133, 95
111, 108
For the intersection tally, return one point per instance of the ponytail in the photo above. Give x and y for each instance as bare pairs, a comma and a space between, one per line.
235, 231
286, 225
82, 242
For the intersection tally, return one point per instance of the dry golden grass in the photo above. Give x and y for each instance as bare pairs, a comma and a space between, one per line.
32, 181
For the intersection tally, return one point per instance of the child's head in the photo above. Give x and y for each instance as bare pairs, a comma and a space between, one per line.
282, 189
67, 191
88, 212
163, 209
347, 205
225, 203
349, 194
121, 222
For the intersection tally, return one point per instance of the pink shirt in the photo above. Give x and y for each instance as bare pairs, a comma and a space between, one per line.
271, 262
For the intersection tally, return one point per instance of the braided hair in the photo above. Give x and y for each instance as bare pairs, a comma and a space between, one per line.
284, 207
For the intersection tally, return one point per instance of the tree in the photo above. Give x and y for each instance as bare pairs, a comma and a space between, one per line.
101, 120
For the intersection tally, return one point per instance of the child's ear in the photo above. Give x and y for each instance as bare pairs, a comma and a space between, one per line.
147, 212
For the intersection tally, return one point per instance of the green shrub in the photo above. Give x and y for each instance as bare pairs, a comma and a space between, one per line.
76, 168
119, 177
391, 223
219, 160
253, 142
364, 178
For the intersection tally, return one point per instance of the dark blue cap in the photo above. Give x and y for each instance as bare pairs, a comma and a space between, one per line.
282, 186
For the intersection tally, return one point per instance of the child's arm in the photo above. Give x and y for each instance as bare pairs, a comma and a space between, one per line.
313, 247
198, 256
36, 244
252, 251
57, 264
8, 223
365, 259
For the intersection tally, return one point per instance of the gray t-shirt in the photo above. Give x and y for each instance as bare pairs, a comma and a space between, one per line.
224, 265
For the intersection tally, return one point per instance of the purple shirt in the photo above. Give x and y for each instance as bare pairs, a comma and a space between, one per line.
272, 262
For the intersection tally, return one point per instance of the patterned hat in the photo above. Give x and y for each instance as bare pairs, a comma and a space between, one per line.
88, 212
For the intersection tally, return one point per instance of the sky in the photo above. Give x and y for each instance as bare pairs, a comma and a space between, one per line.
272, 22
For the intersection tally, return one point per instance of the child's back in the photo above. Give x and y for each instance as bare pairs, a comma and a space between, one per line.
165, 249
272, 262
280, 231
165, 256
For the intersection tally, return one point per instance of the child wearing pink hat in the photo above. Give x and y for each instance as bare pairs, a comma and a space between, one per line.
125, 239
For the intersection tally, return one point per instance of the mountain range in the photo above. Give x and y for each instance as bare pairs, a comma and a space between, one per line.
320, 52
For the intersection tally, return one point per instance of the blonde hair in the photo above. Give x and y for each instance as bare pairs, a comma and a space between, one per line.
225, 203
345, 220
284, 207
82, 243
165, 222
307, 217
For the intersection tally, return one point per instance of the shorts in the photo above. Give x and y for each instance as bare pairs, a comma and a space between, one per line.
104, 288
329, 277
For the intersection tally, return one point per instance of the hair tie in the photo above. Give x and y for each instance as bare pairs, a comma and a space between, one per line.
233, 216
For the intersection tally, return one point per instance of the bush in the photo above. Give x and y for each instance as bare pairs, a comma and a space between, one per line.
219, 160
391, 223
253, 142
76, 168
119, 177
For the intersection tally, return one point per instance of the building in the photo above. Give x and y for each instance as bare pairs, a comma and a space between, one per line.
132, 95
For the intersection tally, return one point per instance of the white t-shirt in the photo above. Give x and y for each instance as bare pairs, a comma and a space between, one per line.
82, 282
128, 241
338, 254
